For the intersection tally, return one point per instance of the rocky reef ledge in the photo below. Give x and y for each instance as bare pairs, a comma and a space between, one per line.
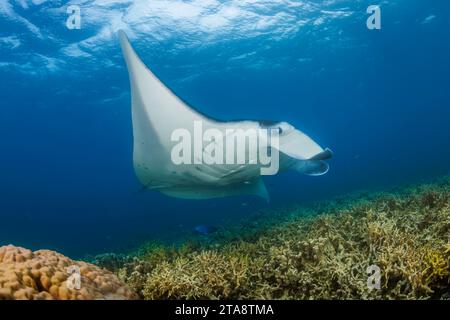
46, 274
326, 251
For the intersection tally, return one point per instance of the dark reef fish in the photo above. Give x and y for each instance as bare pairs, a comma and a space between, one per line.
205, 230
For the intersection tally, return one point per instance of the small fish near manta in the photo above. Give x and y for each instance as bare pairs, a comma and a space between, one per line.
157, 113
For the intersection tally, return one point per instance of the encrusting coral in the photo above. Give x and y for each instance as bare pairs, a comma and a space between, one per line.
44, 274
320, 252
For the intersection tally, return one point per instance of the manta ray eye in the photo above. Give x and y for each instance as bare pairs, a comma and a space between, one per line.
284, 128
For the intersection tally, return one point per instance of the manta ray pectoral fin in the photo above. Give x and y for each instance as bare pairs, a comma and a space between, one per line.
156, 111
157, 114
255, 187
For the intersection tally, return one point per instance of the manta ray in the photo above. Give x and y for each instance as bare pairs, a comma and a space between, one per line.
157, 113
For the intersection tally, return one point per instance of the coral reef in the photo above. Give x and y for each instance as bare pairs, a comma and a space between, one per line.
44, 274
110, 261
317, 252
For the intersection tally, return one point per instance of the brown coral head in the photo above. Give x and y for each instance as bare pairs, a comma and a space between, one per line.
46, 274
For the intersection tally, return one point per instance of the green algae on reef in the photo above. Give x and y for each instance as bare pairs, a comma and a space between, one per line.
320, 252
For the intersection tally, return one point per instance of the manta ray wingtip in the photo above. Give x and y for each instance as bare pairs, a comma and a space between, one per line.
122, 35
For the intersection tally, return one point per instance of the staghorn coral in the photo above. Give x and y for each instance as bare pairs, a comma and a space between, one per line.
43, 275
206, 275
317, 252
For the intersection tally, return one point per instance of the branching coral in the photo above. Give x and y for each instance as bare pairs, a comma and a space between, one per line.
204, 275
320, 252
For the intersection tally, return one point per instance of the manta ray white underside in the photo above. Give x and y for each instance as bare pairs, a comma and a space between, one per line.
157, 112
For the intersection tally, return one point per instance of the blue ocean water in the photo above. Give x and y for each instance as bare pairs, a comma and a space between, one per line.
378, 98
